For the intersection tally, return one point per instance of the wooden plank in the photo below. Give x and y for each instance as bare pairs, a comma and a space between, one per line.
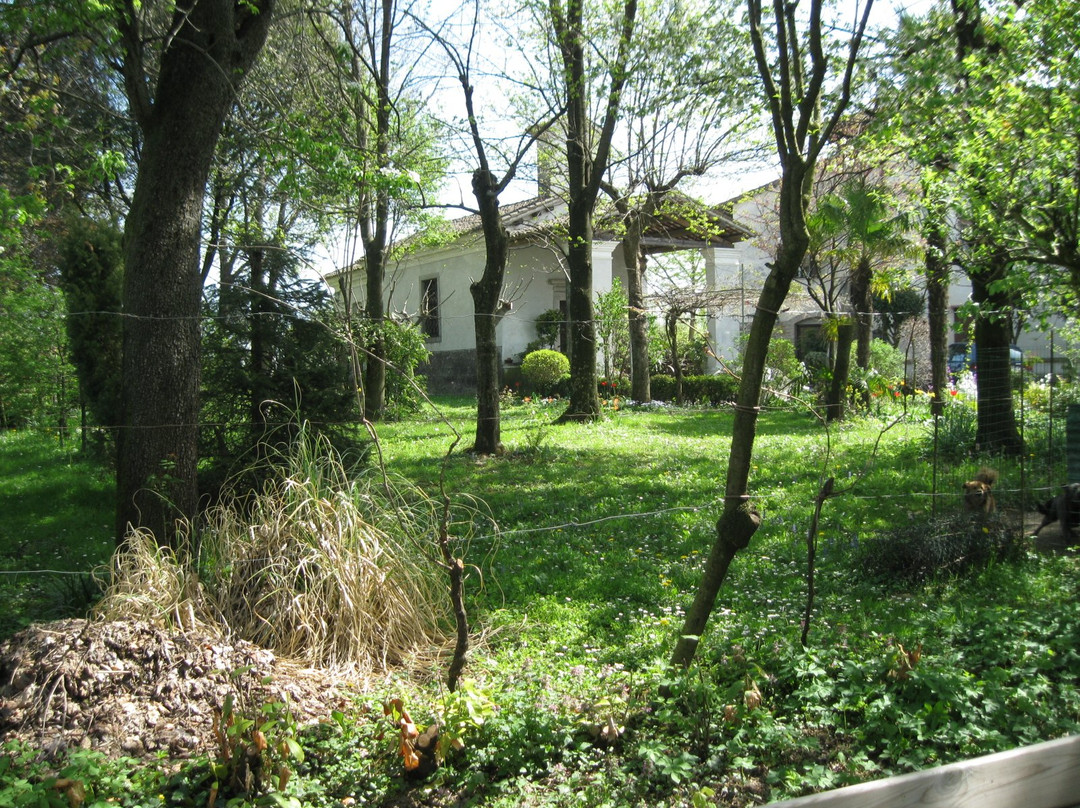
1046, 775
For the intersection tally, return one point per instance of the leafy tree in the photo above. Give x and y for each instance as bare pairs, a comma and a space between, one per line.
549, 326
255, 399
681, 291
794, 72
37, 384
375, 144
896, 310
612, 330
64, 151
91, 277
863, 238
589, 135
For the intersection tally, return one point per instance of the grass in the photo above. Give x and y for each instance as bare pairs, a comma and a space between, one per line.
591, 546
56, 525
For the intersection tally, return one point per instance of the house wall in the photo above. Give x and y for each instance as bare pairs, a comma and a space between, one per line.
741, 271
535, 282
744, 269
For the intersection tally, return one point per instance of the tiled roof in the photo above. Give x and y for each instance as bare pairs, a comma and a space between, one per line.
546, 215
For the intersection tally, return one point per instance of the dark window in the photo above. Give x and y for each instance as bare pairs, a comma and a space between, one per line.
429, 308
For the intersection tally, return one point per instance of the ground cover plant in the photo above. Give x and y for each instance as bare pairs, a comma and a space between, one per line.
577, 595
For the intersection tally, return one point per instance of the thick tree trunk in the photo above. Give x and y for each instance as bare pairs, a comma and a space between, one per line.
375, 340
157, 453
486, 293
586, 162
584, 398
640, 386
997, 430
834, 405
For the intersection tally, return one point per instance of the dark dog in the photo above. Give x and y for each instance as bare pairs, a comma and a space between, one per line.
978, 496
1064, 508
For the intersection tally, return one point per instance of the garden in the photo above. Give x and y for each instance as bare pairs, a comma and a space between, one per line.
932, 636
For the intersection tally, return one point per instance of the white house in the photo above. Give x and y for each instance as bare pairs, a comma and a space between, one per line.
743, 269
430, 285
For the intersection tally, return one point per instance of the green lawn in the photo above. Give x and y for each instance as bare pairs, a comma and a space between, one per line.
585, 545
56, 526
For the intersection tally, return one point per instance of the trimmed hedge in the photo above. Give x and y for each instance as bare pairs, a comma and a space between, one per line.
712, 390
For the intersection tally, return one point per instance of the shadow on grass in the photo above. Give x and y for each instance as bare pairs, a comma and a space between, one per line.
58, 515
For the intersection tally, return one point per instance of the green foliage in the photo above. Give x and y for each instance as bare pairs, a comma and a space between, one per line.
613, 329
692, 344
37, 382
544, 369
78, 777
599, 549
49, 543
784, 376
953, 433
548, 328
91, 277
886, 371
256, 749
405, 351
302, 375
714, 390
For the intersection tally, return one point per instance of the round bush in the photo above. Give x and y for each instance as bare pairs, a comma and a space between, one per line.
543, 369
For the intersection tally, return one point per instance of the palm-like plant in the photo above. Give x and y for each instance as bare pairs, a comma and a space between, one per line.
857, 230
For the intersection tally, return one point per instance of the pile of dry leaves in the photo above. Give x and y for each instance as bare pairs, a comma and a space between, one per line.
128, 687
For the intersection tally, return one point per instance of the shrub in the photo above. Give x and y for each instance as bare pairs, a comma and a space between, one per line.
919, 550
274, 564
712, 390
955, 430
548, 326
544, 368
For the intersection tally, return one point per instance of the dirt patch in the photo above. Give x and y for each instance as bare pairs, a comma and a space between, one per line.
135, 689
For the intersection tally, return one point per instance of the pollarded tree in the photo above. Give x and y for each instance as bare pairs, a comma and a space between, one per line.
806, 100
686, 107
496, 166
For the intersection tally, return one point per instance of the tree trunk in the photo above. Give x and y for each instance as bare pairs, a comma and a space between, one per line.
862, 302
374, 338
586, 163
997, 430
671, 326
640, 386
216, 42
937, 294
739, 521
584, 398
486, 293
834, 405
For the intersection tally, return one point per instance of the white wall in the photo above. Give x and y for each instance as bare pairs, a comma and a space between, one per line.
535, 282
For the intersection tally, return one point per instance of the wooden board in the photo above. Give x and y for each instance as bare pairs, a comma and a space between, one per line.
1046, 775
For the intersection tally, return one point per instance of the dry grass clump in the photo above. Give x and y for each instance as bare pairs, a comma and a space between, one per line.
299, 568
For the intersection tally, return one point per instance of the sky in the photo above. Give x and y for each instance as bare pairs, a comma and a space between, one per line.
720, 186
